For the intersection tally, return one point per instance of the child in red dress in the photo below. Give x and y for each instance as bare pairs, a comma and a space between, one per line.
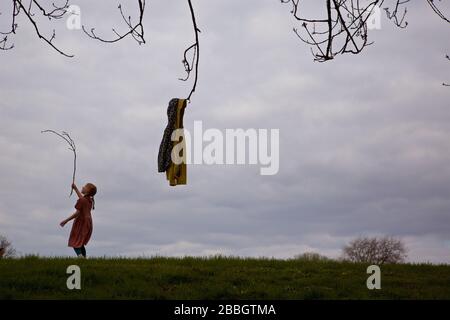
82, 226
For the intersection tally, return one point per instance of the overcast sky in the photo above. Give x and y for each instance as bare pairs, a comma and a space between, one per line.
364, 140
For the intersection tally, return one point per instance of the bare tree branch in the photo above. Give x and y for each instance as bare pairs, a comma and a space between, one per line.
64, 135
189, 67
21, 7
437, 11
26, 7
399, 20
136, 31
57, 12
345, 28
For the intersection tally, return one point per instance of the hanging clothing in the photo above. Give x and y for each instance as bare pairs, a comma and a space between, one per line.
176, 173
165, 148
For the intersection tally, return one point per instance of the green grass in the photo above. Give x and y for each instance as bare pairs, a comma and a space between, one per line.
217, 278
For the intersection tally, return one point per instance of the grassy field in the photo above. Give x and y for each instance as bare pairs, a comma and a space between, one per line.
217, 278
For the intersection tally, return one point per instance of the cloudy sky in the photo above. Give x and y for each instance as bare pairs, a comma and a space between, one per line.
364, 140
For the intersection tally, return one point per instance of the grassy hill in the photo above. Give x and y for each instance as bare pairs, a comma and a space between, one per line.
217, 278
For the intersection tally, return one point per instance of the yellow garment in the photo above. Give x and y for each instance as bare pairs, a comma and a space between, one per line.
177, 173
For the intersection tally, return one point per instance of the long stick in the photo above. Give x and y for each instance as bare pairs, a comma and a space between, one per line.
196, 55
64, 135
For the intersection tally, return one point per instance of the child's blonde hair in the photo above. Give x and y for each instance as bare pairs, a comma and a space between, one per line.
92, 192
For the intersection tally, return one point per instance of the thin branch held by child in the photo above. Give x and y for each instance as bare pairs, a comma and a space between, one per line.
64, 135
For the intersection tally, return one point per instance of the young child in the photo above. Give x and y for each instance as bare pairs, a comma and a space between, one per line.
82, 225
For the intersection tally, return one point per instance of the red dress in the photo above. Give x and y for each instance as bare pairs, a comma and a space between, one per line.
82, 225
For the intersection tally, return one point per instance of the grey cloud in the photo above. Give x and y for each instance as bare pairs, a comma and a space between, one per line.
363, 139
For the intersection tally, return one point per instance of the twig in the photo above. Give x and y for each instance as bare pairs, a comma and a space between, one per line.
136, 31
196, 55
57, 13
64, 135
437, 11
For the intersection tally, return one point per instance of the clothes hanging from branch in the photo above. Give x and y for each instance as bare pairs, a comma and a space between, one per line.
176, 173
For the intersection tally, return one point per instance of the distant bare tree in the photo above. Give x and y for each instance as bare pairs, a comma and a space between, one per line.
375, 250
6, 249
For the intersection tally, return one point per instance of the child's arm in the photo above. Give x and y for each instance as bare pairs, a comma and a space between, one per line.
73, 216
79, 194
